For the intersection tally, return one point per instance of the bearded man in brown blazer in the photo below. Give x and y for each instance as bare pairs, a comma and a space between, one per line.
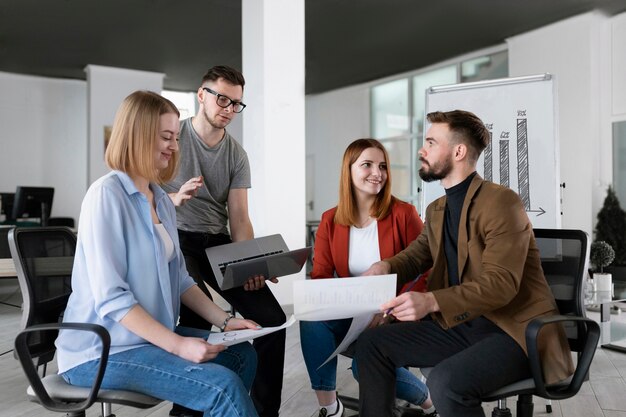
485, 286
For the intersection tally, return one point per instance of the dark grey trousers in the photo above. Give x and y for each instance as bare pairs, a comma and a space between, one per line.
469, 360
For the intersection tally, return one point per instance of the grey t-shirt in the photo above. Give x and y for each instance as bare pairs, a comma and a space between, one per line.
223, 167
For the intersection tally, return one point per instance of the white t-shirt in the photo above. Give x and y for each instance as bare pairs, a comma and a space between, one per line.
364, 249
167, 241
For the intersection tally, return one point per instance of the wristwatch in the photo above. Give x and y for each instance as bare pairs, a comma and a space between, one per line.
226, 320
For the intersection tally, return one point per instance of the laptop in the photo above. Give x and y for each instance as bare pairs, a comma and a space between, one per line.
234, 263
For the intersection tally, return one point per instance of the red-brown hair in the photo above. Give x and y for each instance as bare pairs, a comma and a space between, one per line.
347, 211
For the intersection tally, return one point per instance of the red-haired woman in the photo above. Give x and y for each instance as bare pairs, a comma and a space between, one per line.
368, 224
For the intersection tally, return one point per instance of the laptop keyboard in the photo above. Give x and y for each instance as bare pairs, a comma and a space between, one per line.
223, 265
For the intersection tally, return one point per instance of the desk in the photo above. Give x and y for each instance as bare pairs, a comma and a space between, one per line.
606, 299
7, 268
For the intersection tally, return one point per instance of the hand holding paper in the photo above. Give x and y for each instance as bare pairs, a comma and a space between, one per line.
232, 337
340, 298
412, 306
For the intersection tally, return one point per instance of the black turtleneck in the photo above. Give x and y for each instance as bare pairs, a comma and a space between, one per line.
454, 204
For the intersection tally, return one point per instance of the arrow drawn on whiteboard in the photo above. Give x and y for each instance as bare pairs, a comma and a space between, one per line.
540, 211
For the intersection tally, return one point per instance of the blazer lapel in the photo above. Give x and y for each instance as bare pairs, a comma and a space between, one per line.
386, 238
437, 278
435, 220
342, 239
463, 224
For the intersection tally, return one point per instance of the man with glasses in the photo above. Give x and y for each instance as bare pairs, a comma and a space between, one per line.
211, 195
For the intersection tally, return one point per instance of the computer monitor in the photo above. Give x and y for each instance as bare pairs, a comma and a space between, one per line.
33, 202
7, 205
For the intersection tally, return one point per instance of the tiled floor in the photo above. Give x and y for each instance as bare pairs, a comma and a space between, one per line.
604, 395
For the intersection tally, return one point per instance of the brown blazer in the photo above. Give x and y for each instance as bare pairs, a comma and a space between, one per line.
499, 270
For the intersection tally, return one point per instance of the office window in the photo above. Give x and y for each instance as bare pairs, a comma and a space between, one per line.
421, 83
185, 102
390, 109
619, 161
397, 114
400, 156
488, 67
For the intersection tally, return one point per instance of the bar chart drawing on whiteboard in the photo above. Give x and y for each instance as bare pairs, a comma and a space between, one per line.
520, 115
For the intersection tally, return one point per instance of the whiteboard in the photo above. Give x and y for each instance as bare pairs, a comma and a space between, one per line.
520, 114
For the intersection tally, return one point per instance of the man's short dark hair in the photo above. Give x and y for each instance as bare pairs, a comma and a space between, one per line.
465, 127
229, 74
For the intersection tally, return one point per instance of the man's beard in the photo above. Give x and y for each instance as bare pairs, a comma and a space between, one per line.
438, 171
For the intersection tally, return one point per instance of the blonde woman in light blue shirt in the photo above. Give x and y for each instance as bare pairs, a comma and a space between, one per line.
130, 277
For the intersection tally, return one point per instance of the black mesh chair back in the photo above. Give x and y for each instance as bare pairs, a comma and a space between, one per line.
5, 252
564, 258
43, 259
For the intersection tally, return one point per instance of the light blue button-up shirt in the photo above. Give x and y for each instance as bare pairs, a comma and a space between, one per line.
120, 261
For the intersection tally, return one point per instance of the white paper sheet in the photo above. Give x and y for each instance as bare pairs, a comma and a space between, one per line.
359, 323
341, 298
233, 337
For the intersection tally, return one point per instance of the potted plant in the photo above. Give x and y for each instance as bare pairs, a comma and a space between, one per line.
602, 254
611, 228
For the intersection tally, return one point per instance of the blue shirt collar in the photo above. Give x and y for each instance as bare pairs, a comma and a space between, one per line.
130, 188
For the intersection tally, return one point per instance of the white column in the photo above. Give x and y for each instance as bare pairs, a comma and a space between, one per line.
106, 88
274, 122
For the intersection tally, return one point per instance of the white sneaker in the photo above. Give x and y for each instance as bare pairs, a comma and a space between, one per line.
338, 413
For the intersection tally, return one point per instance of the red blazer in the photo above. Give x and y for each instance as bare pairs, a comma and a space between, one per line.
395, 232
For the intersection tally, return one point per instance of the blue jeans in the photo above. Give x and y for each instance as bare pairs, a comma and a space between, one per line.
219, 387
320, 338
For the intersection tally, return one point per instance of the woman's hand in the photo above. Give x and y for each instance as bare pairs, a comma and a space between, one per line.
187, 191
238, 324
197, 350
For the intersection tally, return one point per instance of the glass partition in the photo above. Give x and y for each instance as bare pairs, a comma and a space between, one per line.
390, 109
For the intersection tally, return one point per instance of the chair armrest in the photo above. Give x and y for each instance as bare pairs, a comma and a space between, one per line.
589, 330
23, 354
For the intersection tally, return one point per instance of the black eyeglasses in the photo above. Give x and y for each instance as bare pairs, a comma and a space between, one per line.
224, 101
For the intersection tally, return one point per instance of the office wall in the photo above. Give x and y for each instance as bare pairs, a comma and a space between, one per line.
587, 55
618, 66
43, 137
107, 87
333, 121
565, 49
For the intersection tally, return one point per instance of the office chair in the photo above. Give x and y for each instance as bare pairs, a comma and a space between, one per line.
4, 241
62, 221
564, 255
44, 258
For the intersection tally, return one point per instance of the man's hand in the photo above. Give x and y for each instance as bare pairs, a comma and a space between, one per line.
257, 282
378, 268
378, 320
197, 350
187, 191
411, 306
